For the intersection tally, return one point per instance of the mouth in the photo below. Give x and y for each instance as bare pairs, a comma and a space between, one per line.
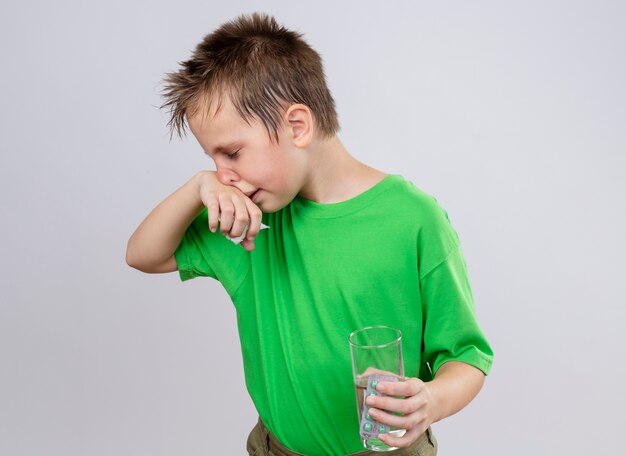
254, 194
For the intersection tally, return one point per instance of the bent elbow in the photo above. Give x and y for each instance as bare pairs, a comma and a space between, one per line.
150, 267
131, 258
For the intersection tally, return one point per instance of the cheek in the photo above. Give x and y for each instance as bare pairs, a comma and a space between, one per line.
275, 173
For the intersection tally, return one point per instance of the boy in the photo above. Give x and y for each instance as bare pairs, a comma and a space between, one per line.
348, 246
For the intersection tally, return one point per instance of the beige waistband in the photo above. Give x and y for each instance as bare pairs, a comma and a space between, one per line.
278, 449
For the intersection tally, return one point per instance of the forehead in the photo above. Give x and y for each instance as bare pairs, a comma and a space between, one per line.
218, 114
217, 125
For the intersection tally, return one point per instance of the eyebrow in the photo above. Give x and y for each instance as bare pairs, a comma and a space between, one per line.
225, 146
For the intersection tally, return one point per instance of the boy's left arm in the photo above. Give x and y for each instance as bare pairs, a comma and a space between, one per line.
454, 386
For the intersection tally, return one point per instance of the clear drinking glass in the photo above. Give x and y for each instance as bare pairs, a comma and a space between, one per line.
375, 350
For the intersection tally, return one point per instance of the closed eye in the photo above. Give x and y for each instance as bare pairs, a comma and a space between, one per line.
233, 155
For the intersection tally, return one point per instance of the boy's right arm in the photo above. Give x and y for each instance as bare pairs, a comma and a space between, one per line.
151, 247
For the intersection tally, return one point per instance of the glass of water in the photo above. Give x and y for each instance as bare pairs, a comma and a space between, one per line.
375, 350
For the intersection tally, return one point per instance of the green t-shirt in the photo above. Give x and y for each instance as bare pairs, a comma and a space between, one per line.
388, 256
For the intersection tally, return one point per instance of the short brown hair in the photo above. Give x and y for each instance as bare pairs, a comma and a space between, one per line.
261, 66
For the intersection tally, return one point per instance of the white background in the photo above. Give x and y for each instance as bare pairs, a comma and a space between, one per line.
512, 114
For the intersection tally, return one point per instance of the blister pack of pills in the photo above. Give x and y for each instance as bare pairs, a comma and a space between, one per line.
369, 426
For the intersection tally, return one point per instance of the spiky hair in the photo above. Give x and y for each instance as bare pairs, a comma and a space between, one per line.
261, 66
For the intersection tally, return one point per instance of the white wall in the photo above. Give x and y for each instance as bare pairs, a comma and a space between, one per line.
511, 113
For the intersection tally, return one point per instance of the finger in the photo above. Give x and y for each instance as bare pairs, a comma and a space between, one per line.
241, 218
227, 213
392, 404
400, 422
409, 387
248, 245
406, 440
255, 220
211, 202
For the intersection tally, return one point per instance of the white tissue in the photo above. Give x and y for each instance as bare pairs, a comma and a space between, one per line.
238, 239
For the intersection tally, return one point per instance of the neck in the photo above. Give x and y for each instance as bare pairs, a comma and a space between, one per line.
334, 175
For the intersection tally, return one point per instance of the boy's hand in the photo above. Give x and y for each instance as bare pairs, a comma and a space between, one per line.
454, 386
234, 209
417, 406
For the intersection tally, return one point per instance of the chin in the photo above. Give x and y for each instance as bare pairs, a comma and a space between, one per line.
268, 208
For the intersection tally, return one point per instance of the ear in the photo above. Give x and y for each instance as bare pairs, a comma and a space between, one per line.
299, 124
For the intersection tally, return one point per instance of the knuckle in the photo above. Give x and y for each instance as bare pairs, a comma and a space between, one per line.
414, 386
241, 217
402, 407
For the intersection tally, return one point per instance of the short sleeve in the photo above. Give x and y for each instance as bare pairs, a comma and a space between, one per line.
451, 330
437, 238
202, 253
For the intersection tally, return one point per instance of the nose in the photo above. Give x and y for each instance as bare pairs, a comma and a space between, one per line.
227, 176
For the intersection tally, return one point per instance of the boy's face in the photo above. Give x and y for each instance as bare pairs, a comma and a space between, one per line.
245, 157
